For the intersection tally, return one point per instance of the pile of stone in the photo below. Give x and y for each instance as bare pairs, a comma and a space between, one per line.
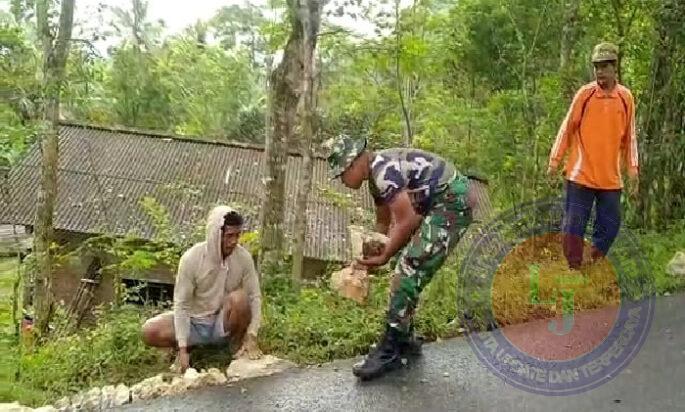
99, 399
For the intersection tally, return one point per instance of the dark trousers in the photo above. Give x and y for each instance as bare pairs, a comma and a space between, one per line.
577, 208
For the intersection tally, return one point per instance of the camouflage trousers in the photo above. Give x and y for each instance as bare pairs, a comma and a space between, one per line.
441, 229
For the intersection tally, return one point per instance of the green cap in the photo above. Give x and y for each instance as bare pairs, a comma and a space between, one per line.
343, 150
604, 52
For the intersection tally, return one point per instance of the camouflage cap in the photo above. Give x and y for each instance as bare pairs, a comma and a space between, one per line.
604, 52
343, 150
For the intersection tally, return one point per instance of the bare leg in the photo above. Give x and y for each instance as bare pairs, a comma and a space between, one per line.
237, 319
159, 331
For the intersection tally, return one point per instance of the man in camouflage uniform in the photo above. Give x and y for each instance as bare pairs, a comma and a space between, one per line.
424, 206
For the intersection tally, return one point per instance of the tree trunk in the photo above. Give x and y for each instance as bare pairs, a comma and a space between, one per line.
55, 53
408, 134
285, 90
310, 11
568, 41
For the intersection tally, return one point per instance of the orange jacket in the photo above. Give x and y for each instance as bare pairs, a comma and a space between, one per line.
599, 129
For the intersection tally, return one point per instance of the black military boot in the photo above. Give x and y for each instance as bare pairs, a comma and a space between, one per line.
384, 358
411, 347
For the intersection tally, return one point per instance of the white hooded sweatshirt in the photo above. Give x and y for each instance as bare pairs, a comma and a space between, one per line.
204, 280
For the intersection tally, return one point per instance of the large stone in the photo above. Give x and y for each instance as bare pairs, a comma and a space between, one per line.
92, 400
676, 267
365, 242
122, 395
243, 368
351, 284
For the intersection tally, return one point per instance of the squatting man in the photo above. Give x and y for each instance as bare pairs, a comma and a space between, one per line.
217, 298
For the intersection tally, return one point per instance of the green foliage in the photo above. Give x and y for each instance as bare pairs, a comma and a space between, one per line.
315, 325
109, 353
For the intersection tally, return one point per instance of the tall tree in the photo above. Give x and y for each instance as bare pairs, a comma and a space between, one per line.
309, 12
55, 51
285, 94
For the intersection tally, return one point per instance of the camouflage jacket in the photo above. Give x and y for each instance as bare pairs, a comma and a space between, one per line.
420, 173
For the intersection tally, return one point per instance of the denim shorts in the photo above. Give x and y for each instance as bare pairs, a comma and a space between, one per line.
207, 331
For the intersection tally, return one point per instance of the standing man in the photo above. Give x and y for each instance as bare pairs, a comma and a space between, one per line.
217, 299
424, 205
599, 134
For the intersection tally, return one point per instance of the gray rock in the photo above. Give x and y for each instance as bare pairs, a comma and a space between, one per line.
676, 267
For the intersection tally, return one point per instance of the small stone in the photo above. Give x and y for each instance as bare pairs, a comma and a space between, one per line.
108, 393
76, 401
617, 401
14, 407
336, 369
243, 390
92, 400
63, 403
424, 380
47, 408
404, 361
217, 377
191, 373
177, 386
667, 294
461, 330
446, 375
122, 395
148, 388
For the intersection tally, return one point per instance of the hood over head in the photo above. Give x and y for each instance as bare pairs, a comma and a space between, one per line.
215, 221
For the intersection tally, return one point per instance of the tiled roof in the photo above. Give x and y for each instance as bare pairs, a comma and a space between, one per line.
104, 173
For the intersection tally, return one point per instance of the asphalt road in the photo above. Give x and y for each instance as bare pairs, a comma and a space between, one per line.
450, 377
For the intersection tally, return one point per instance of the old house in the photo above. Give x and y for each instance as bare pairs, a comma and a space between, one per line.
104, 174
